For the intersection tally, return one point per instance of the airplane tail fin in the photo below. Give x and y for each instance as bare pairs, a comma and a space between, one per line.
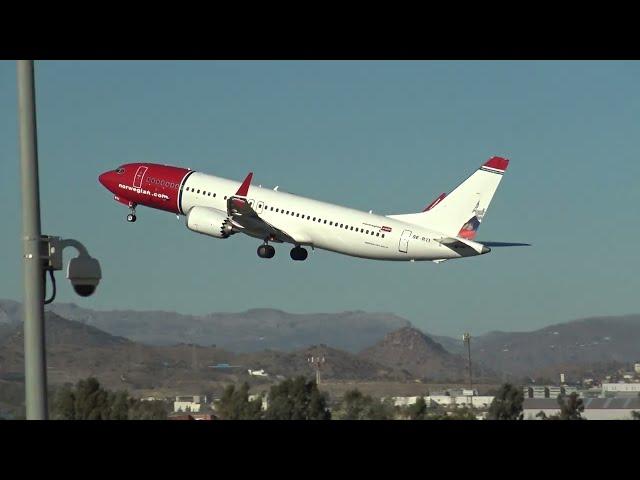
460, 212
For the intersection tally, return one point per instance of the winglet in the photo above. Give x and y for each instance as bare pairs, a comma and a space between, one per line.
244, 188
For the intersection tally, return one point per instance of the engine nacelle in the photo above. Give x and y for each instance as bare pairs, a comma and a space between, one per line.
209, 221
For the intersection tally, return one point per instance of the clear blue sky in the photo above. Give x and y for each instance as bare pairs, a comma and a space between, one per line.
387, 136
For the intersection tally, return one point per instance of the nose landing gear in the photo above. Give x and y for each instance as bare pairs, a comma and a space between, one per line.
266, 251
132, 216
298, 253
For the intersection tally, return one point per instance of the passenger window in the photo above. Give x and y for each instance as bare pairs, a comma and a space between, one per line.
330, 223
351, 228
314, 219
378, 234
225, 197
214, 194
198, 191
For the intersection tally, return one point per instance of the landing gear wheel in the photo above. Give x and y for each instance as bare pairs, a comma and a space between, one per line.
298, 253
131, 217
266, 251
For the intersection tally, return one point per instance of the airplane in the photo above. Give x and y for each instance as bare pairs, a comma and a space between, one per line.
218, 207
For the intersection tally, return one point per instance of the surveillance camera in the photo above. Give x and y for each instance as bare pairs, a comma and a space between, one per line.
84, 274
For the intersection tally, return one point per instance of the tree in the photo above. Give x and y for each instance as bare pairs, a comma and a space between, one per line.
89, 401
235, 405
464, 413
418, 411
147, 410
297, 399
354, 405
357, 406
635, 415
507, 404
571, 407
119, 406
64, 404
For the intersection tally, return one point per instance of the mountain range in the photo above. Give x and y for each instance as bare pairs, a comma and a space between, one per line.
390, 343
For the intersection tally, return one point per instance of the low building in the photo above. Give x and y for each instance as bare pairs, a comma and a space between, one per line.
193, 416
405, 401
554, 391
594, 408
189, 403
265, 399
539, 392
620, 388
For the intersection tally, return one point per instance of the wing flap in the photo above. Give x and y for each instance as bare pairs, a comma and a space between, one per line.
246, 218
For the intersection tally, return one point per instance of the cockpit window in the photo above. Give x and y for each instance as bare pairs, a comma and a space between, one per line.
119, 170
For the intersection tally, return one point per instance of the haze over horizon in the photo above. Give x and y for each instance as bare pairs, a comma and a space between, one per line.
387, 136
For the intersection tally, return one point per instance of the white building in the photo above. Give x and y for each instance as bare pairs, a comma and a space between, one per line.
189, 403
594, 408
619, 388
258, 373
265, 399
406, 401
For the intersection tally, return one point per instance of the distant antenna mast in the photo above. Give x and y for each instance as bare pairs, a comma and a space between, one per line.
466, 338
317, 363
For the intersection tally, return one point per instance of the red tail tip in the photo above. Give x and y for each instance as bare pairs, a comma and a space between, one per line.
498, 163
244, 188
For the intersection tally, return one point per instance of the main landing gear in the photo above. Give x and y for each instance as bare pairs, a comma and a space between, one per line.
266, 251
298, 253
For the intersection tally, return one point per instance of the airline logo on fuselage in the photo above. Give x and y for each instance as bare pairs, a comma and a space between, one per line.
385, 229
142, 191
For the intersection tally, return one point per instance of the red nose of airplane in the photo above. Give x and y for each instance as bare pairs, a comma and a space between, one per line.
105, 179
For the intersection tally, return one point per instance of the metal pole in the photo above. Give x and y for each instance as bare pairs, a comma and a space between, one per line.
467, 339
34, 343
470, 372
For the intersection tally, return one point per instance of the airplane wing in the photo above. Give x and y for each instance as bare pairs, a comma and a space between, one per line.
247, 220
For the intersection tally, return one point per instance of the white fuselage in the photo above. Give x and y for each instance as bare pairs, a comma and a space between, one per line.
324, 225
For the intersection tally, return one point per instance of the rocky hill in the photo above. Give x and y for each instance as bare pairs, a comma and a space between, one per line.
413, 352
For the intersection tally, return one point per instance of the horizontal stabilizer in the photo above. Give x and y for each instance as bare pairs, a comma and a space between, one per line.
504, 244
462, 245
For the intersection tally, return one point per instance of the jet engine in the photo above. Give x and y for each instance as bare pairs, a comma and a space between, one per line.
209, 221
